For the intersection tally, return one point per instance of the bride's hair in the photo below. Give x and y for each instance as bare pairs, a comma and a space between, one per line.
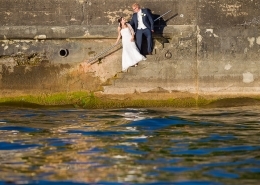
119, 21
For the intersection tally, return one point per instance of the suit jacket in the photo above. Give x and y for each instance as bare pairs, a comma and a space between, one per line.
147, 20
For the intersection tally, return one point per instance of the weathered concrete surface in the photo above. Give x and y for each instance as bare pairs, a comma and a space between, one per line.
228, 46
201, 47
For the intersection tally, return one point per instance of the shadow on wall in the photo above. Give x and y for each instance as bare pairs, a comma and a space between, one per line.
159, 25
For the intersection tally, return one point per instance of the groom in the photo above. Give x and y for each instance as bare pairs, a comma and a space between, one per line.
142, 22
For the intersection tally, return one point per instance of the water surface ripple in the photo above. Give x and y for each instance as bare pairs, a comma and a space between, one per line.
130, 146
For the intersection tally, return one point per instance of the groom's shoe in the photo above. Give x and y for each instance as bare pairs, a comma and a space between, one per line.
150, 53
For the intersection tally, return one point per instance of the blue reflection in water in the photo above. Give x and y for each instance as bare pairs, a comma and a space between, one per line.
222, 174
130, 146
15, 146
19, 129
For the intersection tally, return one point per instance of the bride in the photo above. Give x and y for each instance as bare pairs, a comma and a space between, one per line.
130, 55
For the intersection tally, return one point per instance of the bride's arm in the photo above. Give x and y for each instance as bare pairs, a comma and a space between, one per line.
131, 30
119, 35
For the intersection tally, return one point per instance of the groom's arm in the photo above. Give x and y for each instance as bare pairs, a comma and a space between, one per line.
132, 23
149, 15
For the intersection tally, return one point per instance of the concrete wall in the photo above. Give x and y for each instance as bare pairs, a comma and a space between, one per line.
214, 46
228, 46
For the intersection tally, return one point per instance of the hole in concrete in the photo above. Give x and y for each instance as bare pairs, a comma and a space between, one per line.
64, 52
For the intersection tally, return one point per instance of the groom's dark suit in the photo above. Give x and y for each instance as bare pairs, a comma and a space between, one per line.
149, 23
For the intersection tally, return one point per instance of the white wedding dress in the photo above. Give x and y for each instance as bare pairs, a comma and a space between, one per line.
130, 54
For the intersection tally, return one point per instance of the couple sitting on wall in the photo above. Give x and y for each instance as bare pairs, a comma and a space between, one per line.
141, 24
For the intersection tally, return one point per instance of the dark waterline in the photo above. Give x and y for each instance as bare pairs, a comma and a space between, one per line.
130, 146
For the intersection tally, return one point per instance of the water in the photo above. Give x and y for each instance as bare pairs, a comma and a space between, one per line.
130, 146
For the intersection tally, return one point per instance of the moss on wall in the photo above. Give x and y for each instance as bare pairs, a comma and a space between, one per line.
96, 101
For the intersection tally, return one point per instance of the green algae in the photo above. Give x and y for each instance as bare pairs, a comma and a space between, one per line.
43, 100
234, 102
89, 100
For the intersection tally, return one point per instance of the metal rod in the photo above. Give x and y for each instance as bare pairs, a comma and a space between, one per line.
103, 52
161, 16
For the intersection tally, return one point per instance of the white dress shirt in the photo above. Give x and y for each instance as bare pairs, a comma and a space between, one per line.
140, 20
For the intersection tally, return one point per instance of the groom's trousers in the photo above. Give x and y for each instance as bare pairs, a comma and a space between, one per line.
139, 37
